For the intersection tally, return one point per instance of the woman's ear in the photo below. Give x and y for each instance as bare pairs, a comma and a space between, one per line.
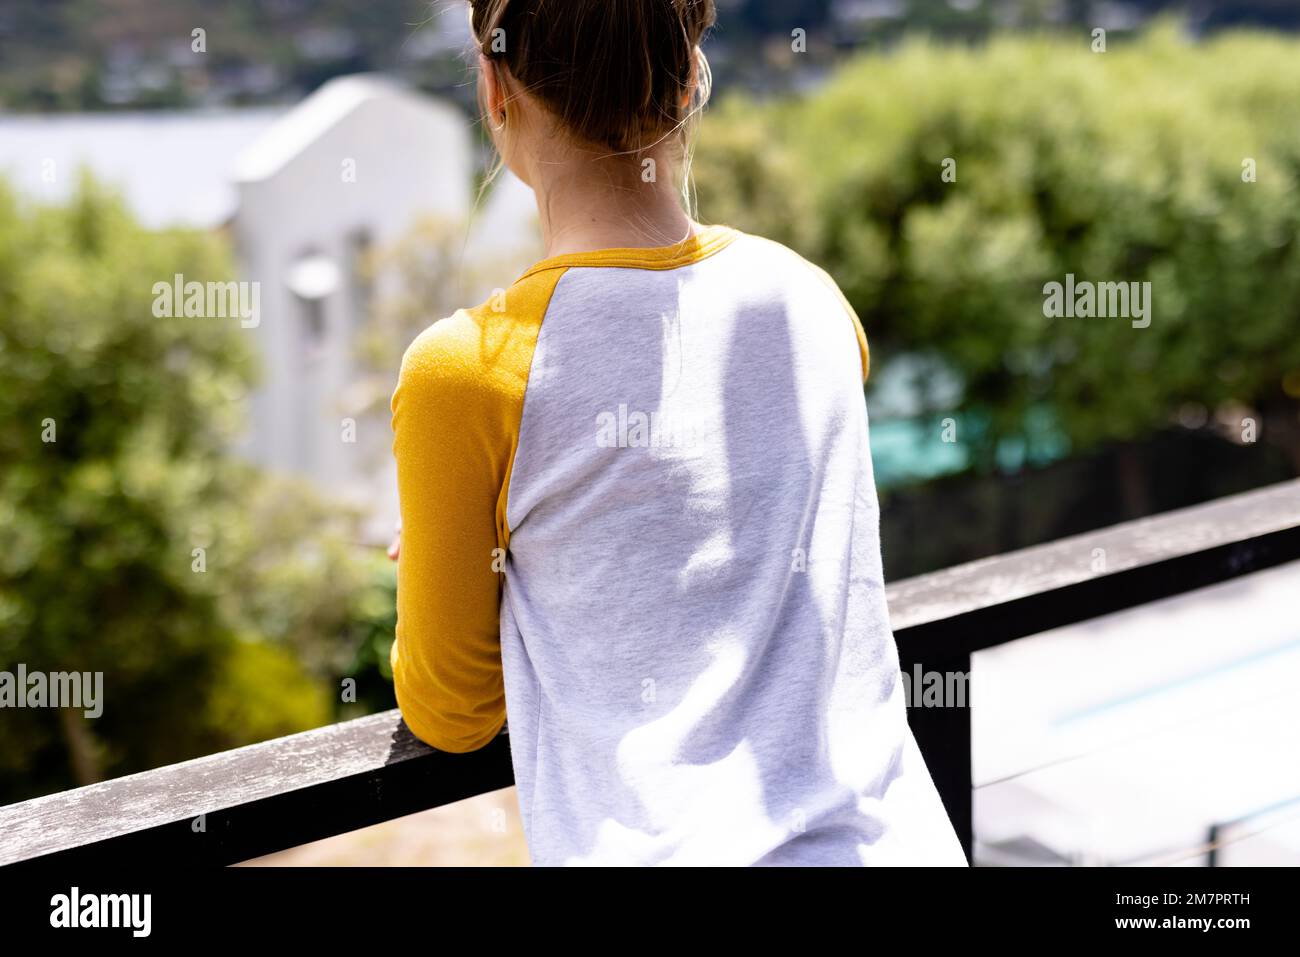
493, 98
692, 80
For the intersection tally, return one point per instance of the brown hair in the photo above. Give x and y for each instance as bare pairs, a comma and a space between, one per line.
615, 73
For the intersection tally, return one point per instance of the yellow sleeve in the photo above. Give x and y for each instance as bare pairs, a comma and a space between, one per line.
456, 414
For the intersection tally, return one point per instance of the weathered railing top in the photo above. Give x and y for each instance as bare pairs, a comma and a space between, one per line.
994, 600
228, 807
240, 804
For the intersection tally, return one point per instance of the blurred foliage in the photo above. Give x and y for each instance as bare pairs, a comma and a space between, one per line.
425, 275
135, 54
1118, 166
418, 280
97, 54
98, 527
1123, 166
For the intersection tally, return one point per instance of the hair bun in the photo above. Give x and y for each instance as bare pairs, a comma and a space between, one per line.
614, 72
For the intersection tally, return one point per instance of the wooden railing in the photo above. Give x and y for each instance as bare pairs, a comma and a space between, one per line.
240, 804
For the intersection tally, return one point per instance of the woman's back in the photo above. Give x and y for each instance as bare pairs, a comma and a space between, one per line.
698, 666
638, 513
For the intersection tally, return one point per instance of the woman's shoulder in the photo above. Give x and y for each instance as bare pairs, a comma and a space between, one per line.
780, 264
484, 347
776, 254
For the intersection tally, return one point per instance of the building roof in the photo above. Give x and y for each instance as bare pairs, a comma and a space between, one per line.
279, 144
172, 166
183, 167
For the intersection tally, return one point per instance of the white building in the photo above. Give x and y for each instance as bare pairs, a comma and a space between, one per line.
350, 168
304, 192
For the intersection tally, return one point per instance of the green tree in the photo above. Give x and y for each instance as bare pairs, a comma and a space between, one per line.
220, 605
1127, 166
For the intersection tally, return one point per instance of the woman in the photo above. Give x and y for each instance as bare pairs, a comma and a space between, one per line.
638, 513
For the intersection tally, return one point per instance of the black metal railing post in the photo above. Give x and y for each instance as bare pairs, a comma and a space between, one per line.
942, 732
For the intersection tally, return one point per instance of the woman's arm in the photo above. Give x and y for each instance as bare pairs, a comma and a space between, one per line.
451, 468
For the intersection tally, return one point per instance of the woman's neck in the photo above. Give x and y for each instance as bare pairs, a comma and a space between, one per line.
587, 204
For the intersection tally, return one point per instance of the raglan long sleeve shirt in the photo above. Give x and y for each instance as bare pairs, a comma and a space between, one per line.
639, 517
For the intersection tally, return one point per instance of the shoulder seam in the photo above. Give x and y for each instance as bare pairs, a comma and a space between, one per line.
507, 480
